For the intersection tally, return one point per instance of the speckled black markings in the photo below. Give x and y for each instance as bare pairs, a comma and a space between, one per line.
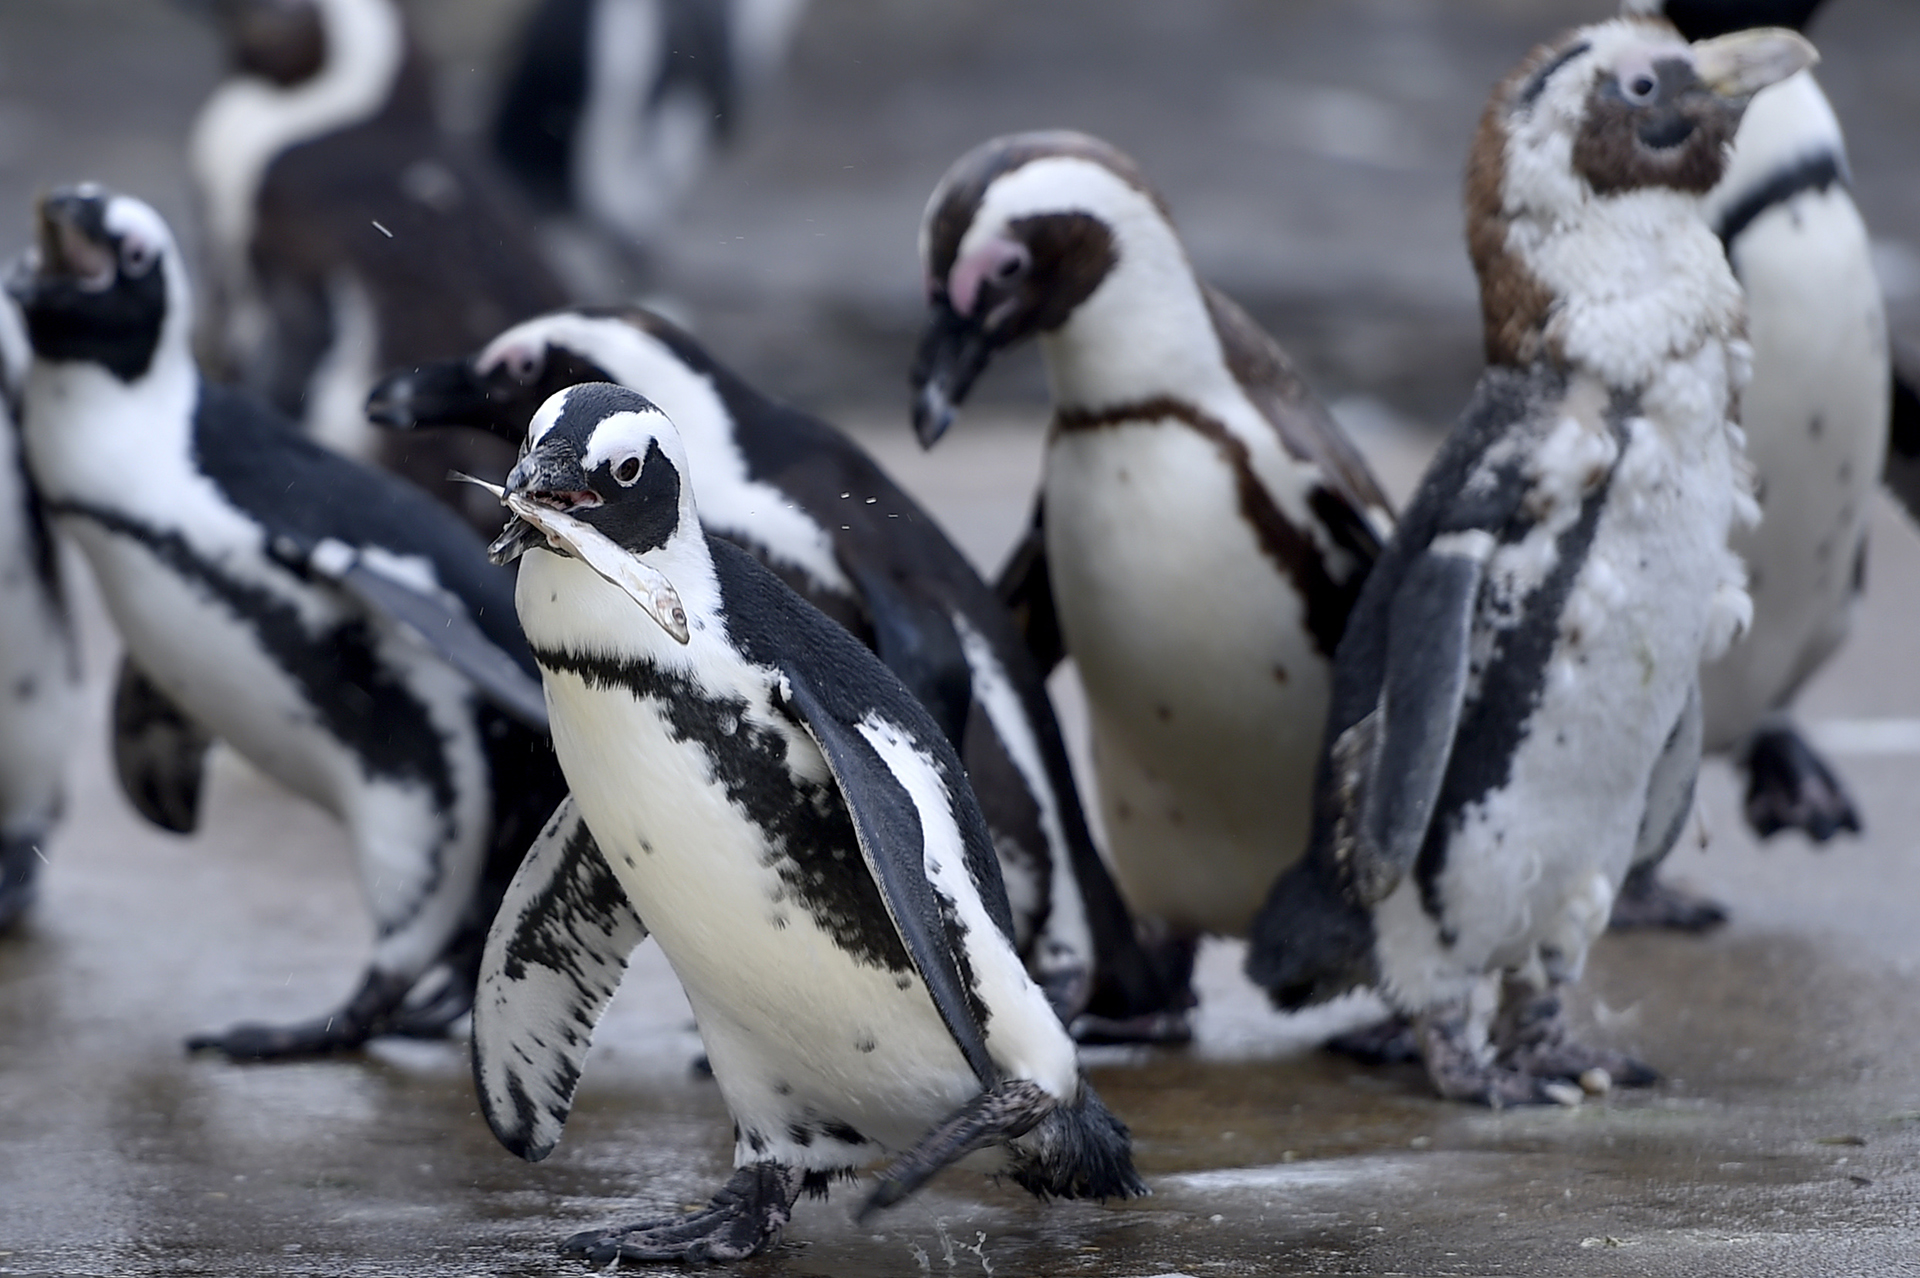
802, 824
1537, 82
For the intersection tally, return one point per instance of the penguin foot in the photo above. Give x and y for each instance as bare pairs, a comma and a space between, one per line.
1388, 1042
743, 1219
1790, 787
372, 1011
1531, 1038
1647, 902
19, 866
1459, 1072
1010, 1108
1169, 1028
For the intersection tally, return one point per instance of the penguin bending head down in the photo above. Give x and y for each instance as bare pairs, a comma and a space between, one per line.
759, 793
1515, 706
1202, 528
336, 627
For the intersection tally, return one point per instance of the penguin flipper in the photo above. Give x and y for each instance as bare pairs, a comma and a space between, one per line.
1902, 475
1025, 586
159, 754
436, 618
912, 835
553, 959
916, 640
1408, 739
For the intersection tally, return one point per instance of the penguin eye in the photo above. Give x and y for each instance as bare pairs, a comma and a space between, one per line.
137, 256
1012, 266
627, 471
523, 363
1639, 88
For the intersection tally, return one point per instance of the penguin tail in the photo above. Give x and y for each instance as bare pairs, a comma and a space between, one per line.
1075, 1150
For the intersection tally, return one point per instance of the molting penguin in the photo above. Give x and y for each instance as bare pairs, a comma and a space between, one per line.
1515, 707
1815, 415
329, 622
1203, 526
759, 793
39, 663
612, 107
809, 503
347, 233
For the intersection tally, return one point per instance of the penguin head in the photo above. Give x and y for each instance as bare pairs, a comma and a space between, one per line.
605, 456
281, 41
1702, 19
498, 390
103, 283
1020, 233
1619, 129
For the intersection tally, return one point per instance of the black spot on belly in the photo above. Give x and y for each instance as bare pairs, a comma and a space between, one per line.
800, 1134
845, 1133
1817, 426
783, 1089
755, 1141
866, 1043
808, 832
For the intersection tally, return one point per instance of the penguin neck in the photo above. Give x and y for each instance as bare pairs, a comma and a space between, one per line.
567, 607
1787, 125
1638, 283
251, 120
87, 430
1143, 333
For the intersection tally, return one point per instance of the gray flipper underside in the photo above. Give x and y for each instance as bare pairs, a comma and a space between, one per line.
554, 957
159, 754
892, 841
1670, 788
916, 640
1429, 626
436, 618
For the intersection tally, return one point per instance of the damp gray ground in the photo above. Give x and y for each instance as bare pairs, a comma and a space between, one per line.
1311, 151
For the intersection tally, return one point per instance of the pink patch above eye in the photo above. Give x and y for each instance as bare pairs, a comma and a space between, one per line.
963, 282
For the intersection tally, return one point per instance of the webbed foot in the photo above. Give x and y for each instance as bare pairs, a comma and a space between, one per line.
1645, 901
1531, 1037
1388, 1042
743, 1219
373, 1010
1790, 787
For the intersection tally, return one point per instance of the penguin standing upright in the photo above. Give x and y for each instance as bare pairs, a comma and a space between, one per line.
329, 622
1815, 415
809, 503
347, 233
612, 107
1515, 706
39, 663
757, 792
1203, 526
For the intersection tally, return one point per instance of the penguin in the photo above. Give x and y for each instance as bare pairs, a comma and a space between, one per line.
1202, 529
337, 628
612, 108
1903, 433
808, 502
346, 233
1816, 418
1515, 714
39, 660
805, 849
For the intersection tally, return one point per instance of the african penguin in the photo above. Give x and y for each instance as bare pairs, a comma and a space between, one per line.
809, 503
759, 793
1514, 714
1815, 415
347, 233
612, 107
1202, 528
339, 629
39, 663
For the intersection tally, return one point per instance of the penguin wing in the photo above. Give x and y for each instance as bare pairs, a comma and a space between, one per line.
1306, 429
1402, 747
917, 837
1025, 586
915, 638
1903, 430
159, 754
554, 956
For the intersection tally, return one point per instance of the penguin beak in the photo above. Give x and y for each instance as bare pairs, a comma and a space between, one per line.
953, 351
546, 490
448, 392
1738, 65
71, 246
